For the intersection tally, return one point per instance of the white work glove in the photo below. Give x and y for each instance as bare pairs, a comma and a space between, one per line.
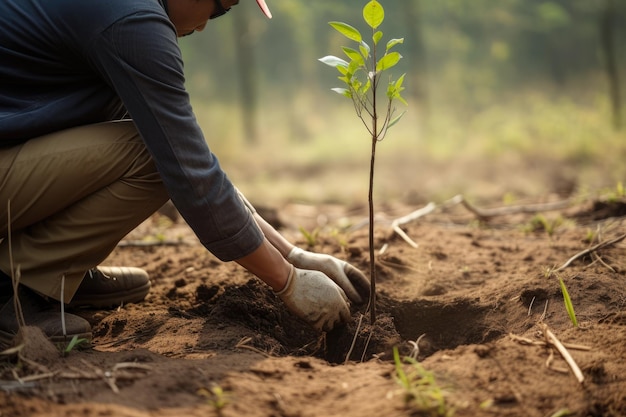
352, 281
316, 299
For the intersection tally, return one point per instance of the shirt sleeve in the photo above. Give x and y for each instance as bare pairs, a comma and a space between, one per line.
140, 58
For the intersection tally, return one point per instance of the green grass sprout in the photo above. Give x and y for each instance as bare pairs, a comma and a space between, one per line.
568, 303
421, 391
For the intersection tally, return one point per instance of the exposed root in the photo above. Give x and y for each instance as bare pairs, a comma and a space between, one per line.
243, 344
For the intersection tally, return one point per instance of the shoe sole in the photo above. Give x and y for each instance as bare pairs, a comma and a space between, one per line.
6, 339
112, 300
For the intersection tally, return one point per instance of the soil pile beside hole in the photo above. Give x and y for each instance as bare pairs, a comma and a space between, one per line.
254, 306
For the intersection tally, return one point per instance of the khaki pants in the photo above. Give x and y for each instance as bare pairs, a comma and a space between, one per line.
73, 196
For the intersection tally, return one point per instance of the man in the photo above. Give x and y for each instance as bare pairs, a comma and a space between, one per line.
96, 133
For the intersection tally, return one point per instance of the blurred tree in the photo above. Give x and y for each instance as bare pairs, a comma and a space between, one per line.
418, 61
607, 29
459, 54
246, 70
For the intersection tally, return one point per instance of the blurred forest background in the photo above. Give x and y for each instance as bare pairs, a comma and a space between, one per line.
508, 99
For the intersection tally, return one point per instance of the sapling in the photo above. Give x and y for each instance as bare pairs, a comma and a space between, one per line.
361, 74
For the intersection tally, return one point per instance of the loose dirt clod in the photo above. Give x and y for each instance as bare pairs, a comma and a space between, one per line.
36, 347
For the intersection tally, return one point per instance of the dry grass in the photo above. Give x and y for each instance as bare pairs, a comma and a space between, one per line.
315, 151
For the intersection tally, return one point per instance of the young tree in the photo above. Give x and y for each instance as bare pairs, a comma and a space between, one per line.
361, 75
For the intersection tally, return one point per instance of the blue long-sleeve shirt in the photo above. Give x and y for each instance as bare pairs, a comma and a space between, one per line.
66, 63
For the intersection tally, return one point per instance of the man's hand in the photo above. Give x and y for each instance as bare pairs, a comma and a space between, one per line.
313, 297
350, 279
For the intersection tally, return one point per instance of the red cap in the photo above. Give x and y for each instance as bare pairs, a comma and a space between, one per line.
264, 8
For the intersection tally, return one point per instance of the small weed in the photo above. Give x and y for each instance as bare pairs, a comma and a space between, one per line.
539, 222
563, 412
340, 238
216, 397
620, 189
508, 199
485, 405
310, 237
159, 230
421, 391
591, 236
616, 194
74, 343
548, 271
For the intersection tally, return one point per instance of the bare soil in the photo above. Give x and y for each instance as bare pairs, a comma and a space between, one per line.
477, 291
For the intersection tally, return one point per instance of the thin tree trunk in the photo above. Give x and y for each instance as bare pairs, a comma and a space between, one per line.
244, 50
607, 28
417, 56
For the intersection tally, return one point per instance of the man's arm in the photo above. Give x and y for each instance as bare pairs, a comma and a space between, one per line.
268, 264
350, 279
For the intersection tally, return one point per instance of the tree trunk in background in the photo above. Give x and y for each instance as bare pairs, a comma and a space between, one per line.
246, 72
418, 76
608, 46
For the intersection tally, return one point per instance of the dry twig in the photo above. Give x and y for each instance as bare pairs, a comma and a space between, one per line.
552, 340
480, 213
526, 341
118, 372
502, 211
590, 250
395, 225
243, 344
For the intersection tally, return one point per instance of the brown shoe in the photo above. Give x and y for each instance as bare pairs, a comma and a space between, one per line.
43, 314
111, 286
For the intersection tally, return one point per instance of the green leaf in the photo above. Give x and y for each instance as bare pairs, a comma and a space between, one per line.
334, 61
388, 61
376, 37
394, 42
347, 31
394, 90
73, 343
353, 67
343, 91
365, 49
366, 87
374, 14
403, 380
354, 55
568, 303
395, 120
399, 83
343, 70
